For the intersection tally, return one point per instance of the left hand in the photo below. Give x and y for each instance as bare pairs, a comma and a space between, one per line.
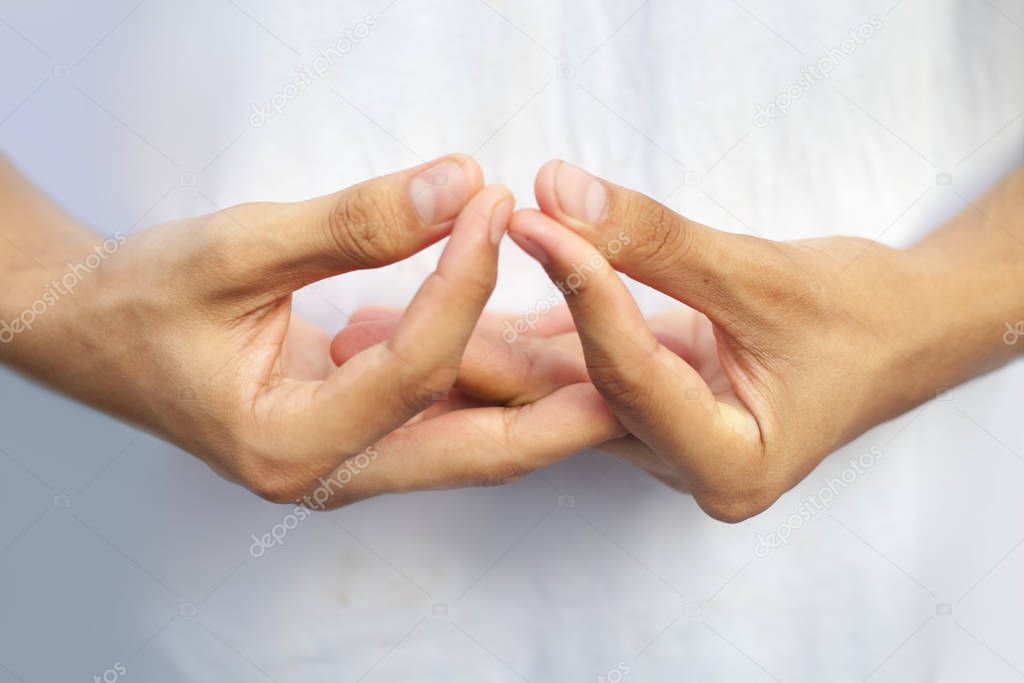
786, 350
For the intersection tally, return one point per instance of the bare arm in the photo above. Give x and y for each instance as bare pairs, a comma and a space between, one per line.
186, 330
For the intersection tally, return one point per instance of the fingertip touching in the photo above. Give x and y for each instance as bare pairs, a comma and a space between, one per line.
442, 315
489, 210
549, 242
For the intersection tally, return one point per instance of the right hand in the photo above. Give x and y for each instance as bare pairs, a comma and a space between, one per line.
187, 331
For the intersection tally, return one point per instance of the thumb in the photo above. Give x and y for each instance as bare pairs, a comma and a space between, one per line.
283, 247
705, 268
659, 397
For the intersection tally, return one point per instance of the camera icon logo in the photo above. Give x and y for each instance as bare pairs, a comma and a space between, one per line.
187, 609
566, 71
693, 178
944, 609
566, 501
315, 288
62, 501
944, 179
61, 71
188, 179
439, 609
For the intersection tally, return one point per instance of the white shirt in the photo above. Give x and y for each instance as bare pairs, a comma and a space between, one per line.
590, 568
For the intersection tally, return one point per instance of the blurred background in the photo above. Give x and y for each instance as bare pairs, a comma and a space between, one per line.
121, 556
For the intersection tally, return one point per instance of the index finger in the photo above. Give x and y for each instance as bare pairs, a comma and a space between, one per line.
658, 396
387, 384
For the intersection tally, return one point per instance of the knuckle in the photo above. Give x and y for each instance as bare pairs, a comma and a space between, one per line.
463, 289
728, 510
661, 236
478, 284
273, 493
506, 471
363, 225
513, 465
525, 366
440, 378
417, 390
275, 484
620, 385
733, 503
270, 475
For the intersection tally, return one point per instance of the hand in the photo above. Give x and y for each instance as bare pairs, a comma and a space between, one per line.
498, 367
502, 366
187, 331
784, 352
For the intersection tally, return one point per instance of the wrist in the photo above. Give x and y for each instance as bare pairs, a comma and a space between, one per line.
958, 309
977, 259
914, 333
35, 250
41, 283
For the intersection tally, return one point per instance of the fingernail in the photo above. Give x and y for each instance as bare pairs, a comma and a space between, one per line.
439, 192
531, 248
581, 195
499, 218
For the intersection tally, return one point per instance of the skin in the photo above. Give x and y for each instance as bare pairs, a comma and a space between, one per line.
779, 352
209, 356
794, 348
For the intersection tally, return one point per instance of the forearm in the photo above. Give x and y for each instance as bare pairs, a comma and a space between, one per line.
975, 268
36, 240
44, 256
